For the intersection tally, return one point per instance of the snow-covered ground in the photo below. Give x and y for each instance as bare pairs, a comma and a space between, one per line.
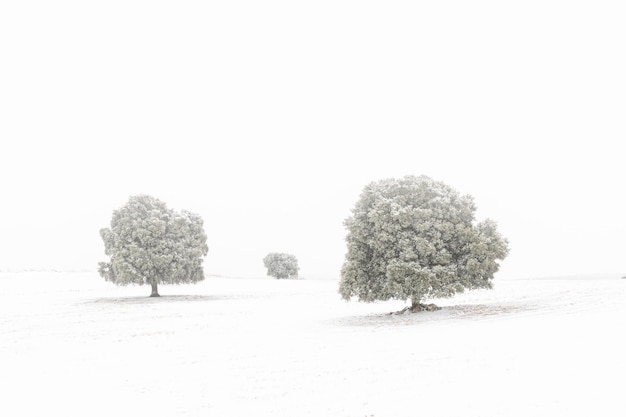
72, 344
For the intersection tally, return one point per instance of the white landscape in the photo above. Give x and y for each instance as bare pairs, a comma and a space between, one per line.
72, 344
267, 119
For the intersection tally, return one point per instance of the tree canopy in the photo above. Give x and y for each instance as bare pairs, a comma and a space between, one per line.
148, 243
413, 238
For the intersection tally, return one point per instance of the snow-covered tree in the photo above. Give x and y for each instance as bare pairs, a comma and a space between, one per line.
281, 265
149, 243
414, 238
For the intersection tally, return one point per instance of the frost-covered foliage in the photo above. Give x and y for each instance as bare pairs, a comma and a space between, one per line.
149, 243
413, 238
281, 265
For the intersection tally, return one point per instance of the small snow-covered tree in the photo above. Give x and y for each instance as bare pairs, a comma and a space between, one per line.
413, 238
149, 243
281, 265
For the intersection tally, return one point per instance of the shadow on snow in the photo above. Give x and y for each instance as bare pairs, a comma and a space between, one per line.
162, 299
456, 312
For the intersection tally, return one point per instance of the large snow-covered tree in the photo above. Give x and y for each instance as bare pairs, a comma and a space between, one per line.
148, 243
281, 265
414, 238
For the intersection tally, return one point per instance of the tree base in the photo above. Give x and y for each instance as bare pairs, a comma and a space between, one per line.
155, 290
418, 308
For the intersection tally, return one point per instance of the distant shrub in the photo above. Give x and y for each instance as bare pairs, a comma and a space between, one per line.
281, 265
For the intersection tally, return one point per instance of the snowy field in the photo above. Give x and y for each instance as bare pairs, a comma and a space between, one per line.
74, 345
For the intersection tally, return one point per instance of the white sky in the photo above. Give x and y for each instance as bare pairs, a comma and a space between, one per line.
269, 117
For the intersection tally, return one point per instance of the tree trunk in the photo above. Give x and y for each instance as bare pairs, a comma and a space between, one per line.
415, 304
155, 292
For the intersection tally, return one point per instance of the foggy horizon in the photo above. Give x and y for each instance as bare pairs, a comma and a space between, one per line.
269, 119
